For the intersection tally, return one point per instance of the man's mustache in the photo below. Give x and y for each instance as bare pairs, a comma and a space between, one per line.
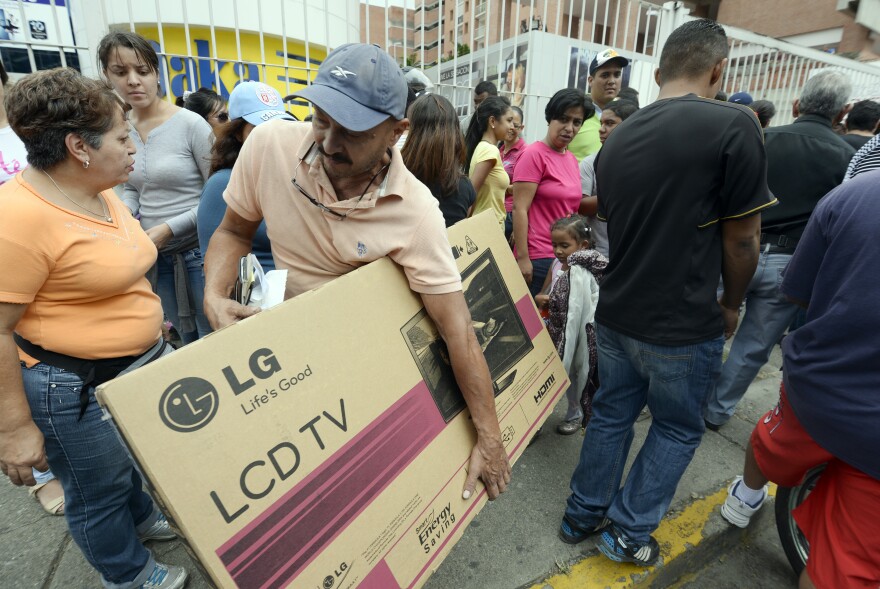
336, 157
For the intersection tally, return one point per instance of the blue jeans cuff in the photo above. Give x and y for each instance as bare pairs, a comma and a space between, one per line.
145, 525
139, 580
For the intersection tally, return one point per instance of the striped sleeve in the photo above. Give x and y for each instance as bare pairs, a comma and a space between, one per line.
866, 159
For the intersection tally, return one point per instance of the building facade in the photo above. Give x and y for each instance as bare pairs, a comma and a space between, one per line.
819, 24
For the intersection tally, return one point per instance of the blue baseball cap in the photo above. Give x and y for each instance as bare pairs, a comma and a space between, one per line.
743, 98
256, 103
359, 86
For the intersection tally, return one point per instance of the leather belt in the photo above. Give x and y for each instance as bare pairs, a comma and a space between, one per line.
779, 244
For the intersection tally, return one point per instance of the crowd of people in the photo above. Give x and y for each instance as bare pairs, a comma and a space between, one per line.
643, 234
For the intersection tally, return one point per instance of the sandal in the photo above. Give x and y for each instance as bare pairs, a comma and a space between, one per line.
53, 506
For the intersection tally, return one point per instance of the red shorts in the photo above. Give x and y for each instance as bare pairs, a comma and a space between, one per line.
840, 517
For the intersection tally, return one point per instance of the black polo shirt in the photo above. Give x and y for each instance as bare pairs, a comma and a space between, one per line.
805, 161
857, 141
666, 179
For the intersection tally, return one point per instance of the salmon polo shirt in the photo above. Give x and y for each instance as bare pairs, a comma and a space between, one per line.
400, 219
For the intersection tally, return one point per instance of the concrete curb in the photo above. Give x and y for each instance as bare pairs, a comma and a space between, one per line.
689, 539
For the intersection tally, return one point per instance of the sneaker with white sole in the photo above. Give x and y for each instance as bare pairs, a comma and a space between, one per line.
165, 576
735, 510
616, 546
160, 531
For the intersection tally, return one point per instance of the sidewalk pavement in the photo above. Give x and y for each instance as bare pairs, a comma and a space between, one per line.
511, 544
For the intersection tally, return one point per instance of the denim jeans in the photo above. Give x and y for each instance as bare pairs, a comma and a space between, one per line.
508, 226
673, 381
767, 315
105, 504
166, 292
540, 267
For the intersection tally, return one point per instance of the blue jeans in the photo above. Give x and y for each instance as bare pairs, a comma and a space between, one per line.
166, 292
105, 505
540, 267
673, 381
767, 315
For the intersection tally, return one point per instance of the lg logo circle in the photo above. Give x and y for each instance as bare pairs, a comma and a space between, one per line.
189, 404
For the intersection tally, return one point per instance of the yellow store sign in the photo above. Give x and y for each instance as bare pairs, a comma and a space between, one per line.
204, 65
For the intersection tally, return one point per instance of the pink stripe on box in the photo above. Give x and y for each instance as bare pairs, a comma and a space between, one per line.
279, 544
380, 577
532, 321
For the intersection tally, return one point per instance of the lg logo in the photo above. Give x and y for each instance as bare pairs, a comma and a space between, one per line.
189, 404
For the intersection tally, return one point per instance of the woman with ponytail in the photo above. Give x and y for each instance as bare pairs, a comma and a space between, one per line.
489, 125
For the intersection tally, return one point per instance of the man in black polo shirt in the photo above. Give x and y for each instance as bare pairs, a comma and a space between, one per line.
805, 160
681, 185
861, 122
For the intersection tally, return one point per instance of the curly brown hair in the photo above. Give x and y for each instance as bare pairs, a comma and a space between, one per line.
44, 107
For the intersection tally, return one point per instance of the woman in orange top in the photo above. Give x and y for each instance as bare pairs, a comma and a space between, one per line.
75, 311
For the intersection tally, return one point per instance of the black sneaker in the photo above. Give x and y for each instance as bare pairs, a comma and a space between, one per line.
712, 426
615, 546
571, 534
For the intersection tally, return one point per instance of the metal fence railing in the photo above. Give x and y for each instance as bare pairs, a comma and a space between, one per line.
774, 70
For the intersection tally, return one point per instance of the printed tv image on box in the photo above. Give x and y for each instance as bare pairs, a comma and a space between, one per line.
497, 325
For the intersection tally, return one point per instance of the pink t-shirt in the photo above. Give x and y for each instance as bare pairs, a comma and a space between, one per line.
509, 159
558, 194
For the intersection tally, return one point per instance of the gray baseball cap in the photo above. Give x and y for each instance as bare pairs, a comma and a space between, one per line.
358, 86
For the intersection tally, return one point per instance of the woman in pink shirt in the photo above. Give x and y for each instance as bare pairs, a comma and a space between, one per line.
547, 185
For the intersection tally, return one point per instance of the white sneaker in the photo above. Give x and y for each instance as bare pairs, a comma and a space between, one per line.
160, 531
735, 510
166, 576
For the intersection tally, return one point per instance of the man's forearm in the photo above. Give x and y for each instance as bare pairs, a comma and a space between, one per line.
740, 261
453, 320
472, 376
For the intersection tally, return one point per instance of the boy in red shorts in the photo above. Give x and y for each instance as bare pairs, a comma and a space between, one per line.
829, 404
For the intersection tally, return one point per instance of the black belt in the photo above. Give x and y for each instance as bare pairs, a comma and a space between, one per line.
779, 244
92, 372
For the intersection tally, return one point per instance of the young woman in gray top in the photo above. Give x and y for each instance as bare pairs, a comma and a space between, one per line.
171, 166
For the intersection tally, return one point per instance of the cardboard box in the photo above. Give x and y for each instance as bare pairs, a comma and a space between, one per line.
323, 443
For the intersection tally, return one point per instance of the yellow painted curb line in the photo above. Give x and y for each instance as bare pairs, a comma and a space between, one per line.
675, 535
